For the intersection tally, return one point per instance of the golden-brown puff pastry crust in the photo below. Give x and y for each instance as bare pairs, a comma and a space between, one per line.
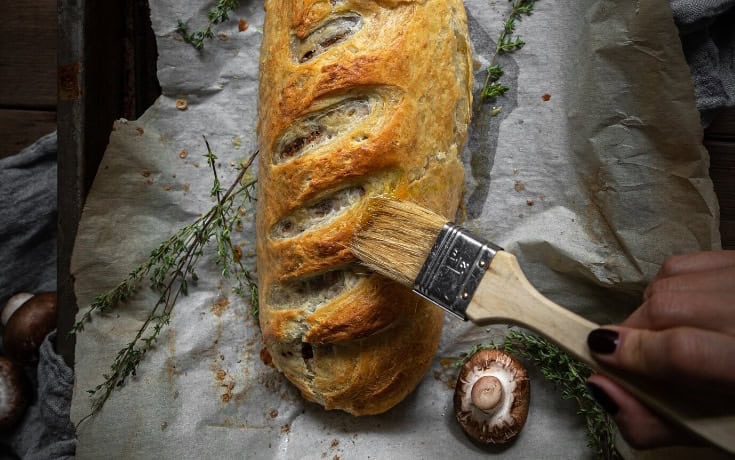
357, 98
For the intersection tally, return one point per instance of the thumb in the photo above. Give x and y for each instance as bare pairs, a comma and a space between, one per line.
684, 354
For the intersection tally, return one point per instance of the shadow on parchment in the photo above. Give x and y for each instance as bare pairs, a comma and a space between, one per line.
482, 141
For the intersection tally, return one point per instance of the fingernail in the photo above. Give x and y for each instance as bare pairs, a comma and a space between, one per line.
603, 341
603, 399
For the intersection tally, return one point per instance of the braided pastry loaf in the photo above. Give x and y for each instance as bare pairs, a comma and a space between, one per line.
357, 98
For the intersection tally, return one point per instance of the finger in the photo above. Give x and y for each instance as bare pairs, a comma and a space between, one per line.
640, 427
705, 280
681, 355
696, 262
707, 310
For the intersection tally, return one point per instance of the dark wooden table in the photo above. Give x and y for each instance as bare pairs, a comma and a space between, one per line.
27, 72
75, 65
719, 139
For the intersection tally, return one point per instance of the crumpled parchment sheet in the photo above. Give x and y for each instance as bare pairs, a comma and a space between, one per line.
591, 189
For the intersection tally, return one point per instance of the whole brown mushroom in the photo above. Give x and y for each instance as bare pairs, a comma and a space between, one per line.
13, 304
13, 394
491, 397
28, 325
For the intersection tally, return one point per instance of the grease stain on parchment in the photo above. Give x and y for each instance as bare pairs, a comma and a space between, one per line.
171, 358
219, 306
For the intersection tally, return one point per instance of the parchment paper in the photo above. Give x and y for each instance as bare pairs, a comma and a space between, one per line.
590, 189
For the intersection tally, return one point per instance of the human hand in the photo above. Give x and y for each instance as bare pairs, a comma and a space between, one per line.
683, 334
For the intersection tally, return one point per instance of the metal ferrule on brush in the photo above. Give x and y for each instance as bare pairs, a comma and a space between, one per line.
455, 266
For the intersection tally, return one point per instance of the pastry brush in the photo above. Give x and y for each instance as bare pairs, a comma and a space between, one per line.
476, 280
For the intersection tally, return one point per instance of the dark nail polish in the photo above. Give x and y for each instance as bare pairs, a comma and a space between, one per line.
603, 341
603, 399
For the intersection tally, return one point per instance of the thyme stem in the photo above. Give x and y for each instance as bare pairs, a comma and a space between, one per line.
506, 43
170, 266
217, 15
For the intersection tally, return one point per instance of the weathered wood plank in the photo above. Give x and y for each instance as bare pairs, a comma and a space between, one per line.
28, 54
92, 60
722, 171
727, 228
20, 128
720, 141
723, 127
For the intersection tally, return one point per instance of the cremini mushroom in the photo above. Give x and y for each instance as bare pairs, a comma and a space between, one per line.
27, 325
13, 394
491, 397
13, 304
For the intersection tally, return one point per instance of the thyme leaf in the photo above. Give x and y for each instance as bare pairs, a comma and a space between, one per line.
217, 15
494, 89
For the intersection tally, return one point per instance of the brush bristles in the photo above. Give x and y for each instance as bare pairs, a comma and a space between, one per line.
397, 238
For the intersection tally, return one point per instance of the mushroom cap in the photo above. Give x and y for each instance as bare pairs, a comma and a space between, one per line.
12, 305
492, 416
13, 394
28, 326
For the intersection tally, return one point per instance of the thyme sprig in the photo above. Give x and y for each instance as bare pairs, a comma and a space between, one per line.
217, 15
507, 43
170, 268
568, 375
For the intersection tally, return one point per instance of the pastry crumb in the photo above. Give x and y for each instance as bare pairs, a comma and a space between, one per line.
219, 306
182, 104
265, 356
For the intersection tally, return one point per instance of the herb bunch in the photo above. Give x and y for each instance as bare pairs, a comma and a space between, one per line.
568, 375
170, 268
217, 15
507, 43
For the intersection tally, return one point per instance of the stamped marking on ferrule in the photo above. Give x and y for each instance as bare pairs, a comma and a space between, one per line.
455, 266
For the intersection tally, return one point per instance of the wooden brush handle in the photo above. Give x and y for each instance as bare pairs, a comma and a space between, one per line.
506, 296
